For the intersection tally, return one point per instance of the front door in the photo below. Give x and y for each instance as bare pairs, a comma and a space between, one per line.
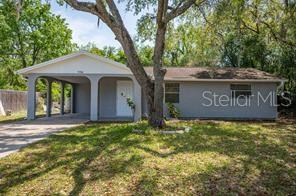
124, 90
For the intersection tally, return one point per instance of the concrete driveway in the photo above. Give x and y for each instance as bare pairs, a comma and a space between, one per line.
16, 135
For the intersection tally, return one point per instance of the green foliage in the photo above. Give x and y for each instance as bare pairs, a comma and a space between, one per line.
251, 50
110, 52
29, 34
174, 112
129, 102
146, 55
55, 91
146, 28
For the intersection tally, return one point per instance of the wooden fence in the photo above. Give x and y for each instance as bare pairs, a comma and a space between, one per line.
13, 100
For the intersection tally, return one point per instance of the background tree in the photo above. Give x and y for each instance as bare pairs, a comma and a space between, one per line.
29, 34
110, 52
258, 34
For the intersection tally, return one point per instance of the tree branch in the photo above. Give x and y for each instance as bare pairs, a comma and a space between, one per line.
161, 11
160, 38
181, 8
278, 37
83, 6
114, 11
104, 15
98, 9
250, 28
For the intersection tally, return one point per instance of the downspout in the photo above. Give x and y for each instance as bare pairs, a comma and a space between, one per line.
280, 92
280, 88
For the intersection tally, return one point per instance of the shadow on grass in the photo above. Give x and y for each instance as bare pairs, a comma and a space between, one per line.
259, 160
56, 151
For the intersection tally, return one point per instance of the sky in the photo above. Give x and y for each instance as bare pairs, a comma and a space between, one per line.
84, 25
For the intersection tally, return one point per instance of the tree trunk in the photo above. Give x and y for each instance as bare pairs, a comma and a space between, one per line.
107, 11
157, 118
153, 90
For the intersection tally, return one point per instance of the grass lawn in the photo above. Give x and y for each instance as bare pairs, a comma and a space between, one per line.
215, 157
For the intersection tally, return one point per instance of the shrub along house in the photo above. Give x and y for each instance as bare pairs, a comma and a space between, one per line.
100, 88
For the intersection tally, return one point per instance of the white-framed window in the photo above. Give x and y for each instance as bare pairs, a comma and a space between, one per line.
172, 92
241, 90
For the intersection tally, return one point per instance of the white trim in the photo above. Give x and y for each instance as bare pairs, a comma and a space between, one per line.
69, 56
251, 90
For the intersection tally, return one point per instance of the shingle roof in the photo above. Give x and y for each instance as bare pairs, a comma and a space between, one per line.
206, 73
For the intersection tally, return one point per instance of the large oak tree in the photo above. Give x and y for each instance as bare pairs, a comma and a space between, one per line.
166, 10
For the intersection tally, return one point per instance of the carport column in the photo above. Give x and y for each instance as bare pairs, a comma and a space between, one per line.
94, 94
72, 98
62, 102
137, 100
48, 98
31, 100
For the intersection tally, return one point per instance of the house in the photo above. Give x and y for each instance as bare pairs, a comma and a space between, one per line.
101, 86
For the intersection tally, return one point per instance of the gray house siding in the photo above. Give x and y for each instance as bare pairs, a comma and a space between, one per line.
82, 98
107, 97
107, 107
192, 100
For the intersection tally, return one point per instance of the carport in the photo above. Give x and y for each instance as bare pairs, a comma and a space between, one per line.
99, 87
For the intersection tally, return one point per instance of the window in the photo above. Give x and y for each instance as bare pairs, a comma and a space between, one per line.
240, 90
172, 92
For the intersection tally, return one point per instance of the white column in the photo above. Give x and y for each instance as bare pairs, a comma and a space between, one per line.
72, 98
62, 102
94, 94
48, 98
31, 99
137, 100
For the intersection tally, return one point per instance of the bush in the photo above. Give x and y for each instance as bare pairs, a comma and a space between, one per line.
174, 112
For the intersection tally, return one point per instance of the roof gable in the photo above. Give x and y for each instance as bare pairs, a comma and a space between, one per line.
80, 62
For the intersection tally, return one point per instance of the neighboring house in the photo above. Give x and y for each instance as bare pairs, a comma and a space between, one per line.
100, 87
